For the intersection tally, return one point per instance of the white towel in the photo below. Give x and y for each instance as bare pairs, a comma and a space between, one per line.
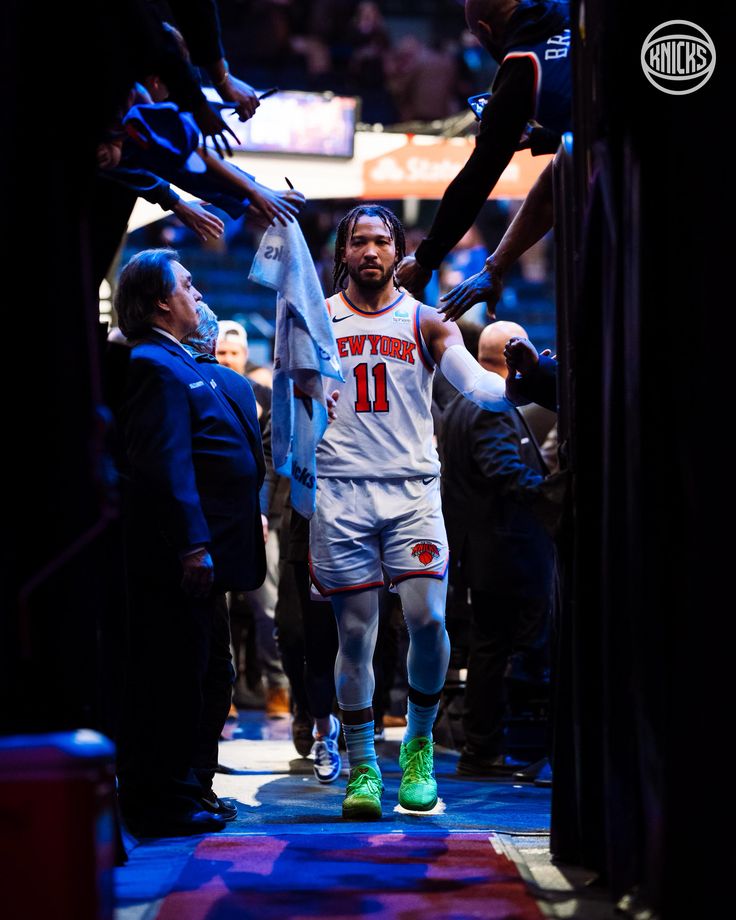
305, 351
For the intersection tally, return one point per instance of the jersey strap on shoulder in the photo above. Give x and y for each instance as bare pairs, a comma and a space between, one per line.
424, 353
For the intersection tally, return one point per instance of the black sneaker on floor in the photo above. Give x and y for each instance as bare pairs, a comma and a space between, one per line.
544, 777
529, 773
225, 809
180, 823
301, 733
472, 764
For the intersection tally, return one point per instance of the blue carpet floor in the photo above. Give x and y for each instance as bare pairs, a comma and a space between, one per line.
278, 797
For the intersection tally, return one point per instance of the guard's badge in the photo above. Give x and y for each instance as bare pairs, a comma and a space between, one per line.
425, 552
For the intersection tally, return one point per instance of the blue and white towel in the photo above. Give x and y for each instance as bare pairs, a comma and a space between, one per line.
304, 353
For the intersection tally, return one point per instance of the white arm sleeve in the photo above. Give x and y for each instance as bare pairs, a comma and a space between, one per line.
485, 388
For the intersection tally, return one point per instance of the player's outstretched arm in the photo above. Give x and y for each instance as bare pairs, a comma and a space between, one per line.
445, 343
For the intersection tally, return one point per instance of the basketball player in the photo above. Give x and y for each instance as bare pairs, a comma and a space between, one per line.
378, 496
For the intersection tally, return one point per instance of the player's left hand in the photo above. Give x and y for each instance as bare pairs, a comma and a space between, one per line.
411, 275
331, 400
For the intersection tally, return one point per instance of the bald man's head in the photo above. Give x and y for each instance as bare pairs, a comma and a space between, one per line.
486, 19
492, 342
494, 12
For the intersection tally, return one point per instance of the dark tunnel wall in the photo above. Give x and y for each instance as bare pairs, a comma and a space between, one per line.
63, 72
646, 632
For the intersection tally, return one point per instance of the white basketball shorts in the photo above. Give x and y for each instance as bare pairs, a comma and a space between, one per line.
365, 527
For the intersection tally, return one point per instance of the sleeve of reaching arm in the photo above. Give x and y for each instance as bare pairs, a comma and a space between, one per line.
182, 82
157, 51
145, 184
496, 451
158, 443
502, 124
199, 23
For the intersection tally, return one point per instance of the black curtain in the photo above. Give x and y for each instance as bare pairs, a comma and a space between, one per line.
646, 635
64, 73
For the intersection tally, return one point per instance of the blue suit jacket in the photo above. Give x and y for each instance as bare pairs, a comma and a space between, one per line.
194, 464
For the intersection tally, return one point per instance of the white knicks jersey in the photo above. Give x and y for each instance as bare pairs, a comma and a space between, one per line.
383, 427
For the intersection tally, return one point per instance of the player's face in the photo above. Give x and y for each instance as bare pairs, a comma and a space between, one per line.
370, 253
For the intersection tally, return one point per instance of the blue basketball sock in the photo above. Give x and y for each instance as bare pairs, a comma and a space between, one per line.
419, 720
361, 745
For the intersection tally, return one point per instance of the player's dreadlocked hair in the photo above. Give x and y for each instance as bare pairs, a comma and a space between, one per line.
345, 228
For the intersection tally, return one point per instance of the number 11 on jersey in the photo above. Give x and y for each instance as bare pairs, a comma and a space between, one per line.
363, 402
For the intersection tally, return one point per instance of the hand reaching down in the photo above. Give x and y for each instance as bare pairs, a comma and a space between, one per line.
412, 276
486, 285
268, 205
194, 216
213, 127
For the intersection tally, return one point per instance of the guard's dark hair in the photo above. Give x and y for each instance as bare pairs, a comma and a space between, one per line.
145, 280
345, 228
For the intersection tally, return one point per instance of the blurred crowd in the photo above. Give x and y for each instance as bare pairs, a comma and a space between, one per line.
403, 67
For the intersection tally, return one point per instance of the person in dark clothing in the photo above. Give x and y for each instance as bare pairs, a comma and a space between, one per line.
492, 482
289, 628
141, 43
192, 531
149, 45
259, 607
319, 651
530, 39
159, 143
199, 22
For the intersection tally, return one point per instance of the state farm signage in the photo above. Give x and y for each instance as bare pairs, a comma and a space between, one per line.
425, 170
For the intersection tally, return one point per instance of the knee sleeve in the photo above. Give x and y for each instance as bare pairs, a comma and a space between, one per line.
423, 601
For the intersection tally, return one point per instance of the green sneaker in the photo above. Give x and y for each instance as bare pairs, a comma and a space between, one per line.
363, 795
418, 789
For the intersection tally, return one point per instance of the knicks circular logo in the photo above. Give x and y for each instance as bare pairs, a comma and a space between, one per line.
678, 57
425, 552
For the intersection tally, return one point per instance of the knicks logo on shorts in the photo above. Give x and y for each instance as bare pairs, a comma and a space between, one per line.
425, 552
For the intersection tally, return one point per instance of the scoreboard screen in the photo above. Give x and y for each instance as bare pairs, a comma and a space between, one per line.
312, 124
